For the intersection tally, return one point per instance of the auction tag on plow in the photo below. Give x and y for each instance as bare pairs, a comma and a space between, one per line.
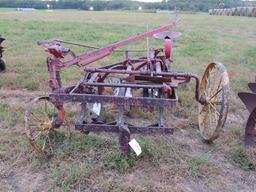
96, 108
135, 146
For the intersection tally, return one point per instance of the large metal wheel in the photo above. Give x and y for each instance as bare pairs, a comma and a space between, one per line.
42, 117
214, 89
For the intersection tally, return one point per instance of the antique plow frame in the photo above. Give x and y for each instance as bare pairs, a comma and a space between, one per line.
147, 82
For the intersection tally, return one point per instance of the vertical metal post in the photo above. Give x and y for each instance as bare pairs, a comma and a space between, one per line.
84, 114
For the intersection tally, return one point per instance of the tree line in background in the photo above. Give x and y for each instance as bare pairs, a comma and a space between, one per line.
98, 5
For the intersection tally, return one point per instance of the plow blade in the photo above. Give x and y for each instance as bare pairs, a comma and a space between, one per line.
252, 86
249, 99
250, 131
1, 39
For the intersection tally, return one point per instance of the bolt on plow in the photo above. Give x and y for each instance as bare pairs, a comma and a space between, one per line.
147, 82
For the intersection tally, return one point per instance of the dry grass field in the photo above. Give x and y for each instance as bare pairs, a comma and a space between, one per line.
181, 162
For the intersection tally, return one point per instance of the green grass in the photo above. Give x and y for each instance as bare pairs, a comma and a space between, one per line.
240, 157
194, 164
67, 175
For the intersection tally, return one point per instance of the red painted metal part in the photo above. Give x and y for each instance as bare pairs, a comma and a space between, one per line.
54, 48
56, 64
168, 48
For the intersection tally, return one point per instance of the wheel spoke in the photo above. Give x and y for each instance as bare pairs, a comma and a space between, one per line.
214, 108
36, 128
214, 82
220, 83
205, 94
44, 112
205, 117
37, 135
202, 109
215, 115
44, 144
50, 144
216, 102
215, 94
210, 115
36, 118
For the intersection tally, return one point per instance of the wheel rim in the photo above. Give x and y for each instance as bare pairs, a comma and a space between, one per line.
40, 118
214, 88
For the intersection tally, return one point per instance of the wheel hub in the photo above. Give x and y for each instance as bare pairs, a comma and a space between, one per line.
47, 125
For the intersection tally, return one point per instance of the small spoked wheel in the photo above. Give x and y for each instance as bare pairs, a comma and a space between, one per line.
214, 90
42, 118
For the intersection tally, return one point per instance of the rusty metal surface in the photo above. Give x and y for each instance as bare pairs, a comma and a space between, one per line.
118, 100
130, 85
1, 39
249, 99
250, 130
252, 86
116, 129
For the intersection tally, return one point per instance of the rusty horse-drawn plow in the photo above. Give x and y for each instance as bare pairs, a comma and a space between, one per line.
147, 82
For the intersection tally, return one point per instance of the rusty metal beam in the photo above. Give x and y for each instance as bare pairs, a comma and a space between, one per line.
118, 100
115, 129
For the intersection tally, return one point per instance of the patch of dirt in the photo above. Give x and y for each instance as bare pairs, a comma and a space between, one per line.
23, 181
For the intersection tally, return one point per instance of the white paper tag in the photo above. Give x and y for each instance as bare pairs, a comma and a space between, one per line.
135, 146
96, 108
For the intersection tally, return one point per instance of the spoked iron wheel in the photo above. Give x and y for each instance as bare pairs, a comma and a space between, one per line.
214, 89
42, 118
